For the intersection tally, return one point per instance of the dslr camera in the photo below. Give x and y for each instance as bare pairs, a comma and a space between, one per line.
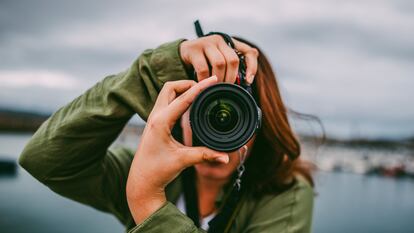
224, 117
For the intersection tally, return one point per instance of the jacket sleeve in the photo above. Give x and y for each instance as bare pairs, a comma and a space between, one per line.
69, 152
167, 219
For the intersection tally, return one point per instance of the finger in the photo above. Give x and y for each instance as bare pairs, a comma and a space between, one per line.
251, 54
200, 65
171, 90
193, 155
232, 62
187, 132
251, 66
217, 62
183, 102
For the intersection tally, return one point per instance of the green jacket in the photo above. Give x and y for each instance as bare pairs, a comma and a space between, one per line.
69, 153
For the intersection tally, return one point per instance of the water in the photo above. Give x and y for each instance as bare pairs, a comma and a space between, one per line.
28, 206
345, 203
356, 203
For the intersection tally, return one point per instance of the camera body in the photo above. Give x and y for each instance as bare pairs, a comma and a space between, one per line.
224, 117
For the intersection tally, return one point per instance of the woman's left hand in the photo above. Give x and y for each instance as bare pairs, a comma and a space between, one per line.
159, 157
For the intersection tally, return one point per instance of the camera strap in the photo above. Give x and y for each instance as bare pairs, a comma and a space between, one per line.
226, 37
190, 195
228, 211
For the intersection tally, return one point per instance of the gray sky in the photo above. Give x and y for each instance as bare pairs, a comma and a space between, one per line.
349, 62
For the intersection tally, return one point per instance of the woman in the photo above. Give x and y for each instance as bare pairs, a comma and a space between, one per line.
69, 153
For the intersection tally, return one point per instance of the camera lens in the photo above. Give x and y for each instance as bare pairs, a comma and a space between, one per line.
224, 117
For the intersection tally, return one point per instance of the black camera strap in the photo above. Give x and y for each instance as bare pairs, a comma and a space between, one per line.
190, 195
227, 212
226, 37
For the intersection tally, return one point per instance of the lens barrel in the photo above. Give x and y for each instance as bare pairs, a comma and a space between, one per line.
224, 117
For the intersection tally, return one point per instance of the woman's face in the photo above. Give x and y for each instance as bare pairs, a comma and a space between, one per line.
212, 170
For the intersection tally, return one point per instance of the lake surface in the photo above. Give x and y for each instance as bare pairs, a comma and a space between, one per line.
345, 203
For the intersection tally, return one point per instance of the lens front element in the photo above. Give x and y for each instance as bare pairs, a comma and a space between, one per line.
224, 117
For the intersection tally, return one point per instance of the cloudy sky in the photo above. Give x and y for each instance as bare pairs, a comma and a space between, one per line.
349, 62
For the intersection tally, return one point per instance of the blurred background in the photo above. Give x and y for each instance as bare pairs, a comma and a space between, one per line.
351, 63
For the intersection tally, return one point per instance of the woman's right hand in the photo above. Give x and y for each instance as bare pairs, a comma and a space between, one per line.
159, 157
213, 50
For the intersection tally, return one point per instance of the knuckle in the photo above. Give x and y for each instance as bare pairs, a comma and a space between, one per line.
203, 41
167, 85
204, 155
192, 82
210, 44
214, 38
198, 48
193, 44
234, 61
203, 72
254, 52
220, 63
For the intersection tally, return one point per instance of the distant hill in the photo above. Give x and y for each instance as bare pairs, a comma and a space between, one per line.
384, 143
25, 121
20, 121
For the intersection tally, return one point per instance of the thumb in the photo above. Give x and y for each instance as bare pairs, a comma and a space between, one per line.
194, 155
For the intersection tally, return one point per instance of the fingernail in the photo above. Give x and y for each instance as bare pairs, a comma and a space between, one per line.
222, 159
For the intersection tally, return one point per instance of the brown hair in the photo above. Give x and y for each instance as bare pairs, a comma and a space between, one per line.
268, 168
